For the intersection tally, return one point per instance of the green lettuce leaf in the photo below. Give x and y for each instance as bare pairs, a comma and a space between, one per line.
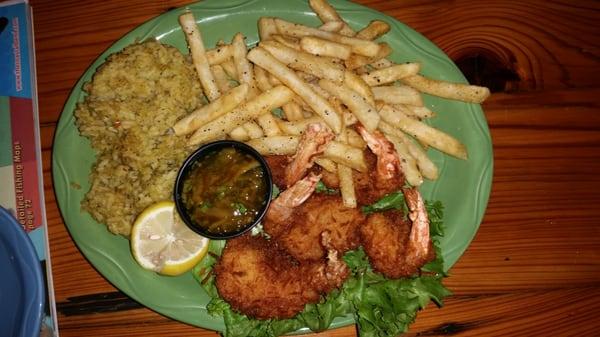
322, 188
393, 200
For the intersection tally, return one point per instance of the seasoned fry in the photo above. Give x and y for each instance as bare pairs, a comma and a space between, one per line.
423, 132
420, 112
287, 41
382, 63
359, 85
359, 46
347, 155
249, 110
354, 139
269, 124
266, 28
364, 112
221, 78
297, 127
253, 130
426, 166
211, 111
356, 61
229, 68
391, 74
397, 94
335, 151
457, 91
242, 66
265, 60
375, 29
327, 14
332, 26
327, 164
346, 186
219, 54
292, 111
321, 47
240, 134
306, 77
275, 145
262, 78
303, 61
407, 162
194, 40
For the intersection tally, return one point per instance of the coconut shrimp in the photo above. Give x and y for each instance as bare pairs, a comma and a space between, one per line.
396, 247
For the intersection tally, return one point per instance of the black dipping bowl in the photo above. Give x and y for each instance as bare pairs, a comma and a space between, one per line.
188, 165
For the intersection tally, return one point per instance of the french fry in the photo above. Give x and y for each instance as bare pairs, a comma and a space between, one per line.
275, 145
194, 40
262, 79
318, 104
423, 132
397, 94
332, 26
229, 68
297, 127
354, 139
457, 91
364, 112
327, 14
266, 28
391, 74
211, 111
249, 110
417, 112
359, 85
420, 112
221, 78
269, 124
287, 41
303, 61
286, 145
274, 81
242, 66
306, 77
219, 54
347, 155
359, 46
407, 162
240, 134
356, 61
426, 166
292, 111
382, 63
327, 164
321, 47
373, 30
253, 130
346, 186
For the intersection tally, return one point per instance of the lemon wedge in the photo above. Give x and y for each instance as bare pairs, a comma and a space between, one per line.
161, 242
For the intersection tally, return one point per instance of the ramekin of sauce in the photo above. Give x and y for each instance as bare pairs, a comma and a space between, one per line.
223, 189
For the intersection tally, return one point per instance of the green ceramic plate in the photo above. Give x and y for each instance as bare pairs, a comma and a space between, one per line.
463, 186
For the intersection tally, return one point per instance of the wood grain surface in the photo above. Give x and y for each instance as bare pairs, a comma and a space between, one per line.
534, 266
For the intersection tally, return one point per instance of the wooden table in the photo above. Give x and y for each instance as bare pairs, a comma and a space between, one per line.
534, 266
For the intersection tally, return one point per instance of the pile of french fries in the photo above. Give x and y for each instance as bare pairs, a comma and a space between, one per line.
332, 75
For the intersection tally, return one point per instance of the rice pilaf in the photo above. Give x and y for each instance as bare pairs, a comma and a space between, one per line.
133, 100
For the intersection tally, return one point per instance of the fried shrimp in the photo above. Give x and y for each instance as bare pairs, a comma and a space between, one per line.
300, 235
262, 281
395, 247
313, 142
